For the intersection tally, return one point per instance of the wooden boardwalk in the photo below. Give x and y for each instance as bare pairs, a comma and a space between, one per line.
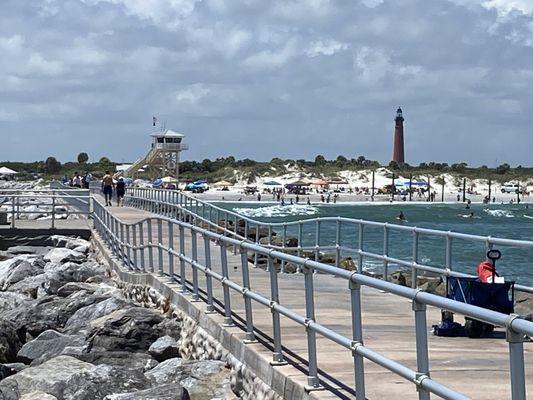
479, 368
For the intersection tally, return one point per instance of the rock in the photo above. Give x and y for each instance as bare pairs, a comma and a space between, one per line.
85, 315
400, 278
60, 255
36, 250
164, 348
38, 395
73, 287
169, 327
10, 369
78, 244
48, 313
20, 271
11, 300
172, 391
524, 303
203, 379
59, 274
347, 263
123, 359
48, 344
32, 286
10, 342
126, 329
68, 378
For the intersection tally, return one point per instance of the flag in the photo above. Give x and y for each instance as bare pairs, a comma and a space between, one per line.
154, 120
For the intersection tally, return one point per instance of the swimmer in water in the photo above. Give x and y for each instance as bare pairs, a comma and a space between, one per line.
401, 216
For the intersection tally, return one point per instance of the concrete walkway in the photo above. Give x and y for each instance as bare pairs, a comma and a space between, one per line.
479, 368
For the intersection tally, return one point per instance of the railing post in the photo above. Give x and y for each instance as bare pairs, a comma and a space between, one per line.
150, 245
338, 243
134, 236
53, 210
128, 248
183, 282
312, 378
422, 357
160, 245
385, 252
414, 270
194, 255
247, 301
277, 357
123, 244
141, 244
361, 242
228, 321
208, 279
516, 361
13, 211
317, 240
256, 256
357, 336
171, 250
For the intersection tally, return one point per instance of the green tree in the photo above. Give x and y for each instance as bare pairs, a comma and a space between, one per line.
502, 169
51, 165
83, 158
320, 160
104, 161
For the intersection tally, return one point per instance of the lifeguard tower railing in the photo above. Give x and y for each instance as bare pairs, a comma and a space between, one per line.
356, 238
148, 246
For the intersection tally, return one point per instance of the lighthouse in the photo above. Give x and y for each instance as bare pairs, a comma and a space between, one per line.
398, 153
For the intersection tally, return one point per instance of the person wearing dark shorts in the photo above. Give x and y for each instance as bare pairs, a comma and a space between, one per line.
107, 187
121, 190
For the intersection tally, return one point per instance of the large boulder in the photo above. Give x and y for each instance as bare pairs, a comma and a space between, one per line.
10, 369
19, 271
60, 255
48, 344
10, 342
68, 378
132, 328
36, 250
171, 391
78, 244
204, 379
59, 274
32, 286
85, 315
11, 300
120, 359
164, 348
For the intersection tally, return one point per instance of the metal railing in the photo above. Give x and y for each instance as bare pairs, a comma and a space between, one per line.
149, 246
50, 204
363, 240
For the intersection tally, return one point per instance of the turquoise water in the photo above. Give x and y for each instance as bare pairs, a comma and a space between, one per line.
506, 221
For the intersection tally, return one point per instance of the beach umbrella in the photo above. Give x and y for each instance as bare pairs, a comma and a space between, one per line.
222, 184
7, 171
319, 182
271, 183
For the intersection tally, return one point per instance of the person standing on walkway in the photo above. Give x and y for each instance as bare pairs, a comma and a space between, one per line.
121, 191
107, 187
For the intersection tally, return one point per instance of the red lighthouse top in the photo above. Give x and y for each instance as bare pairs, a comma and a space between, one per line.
399, 117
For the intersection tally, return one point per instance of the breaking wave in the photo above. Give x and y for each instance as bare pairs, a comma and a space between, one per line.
278, 211
499, 213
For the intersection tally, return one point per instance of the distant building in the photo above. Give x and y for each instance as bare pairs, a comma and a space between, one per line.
398, 152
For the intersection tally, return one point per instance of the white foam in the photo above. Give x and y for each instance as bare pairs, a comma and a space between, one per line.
278, 211
499, 213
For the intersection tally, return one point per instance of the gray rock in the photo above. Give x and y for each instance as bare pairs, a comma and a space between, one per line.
10, 342
127, 329
11, 300
57, 275
37, 395
37, 250
77, 244
73, 287
32, 286
10, 369
21, 271
61, 255
169, 371
172, 391
47, 345
122, 359
164, 348
85, 315
51, 377
169, 327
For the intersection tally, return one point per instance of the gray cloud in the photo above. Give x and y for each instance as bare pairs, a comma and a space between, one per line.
260, 79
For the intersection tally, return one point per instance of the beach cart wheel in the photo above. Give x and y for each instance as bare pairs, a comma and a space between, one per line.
473, 328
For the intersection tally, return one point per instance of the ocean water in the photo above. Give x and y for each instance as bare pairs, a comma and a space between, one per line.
497, 220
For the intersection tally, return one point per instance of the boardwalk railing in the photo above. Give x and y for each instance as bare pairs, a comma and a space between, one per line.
363, 240
45, 203
149, 246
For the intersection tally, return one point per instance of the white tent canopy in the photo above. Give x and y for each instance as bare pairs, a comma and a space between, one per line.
7, 171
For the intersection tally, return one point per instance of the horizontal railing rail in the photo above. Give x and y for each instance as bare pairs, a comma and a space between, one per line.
349, 238
149, 246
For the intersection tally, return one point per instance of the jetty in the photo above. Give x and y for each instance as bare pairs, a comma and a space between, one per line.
322, 332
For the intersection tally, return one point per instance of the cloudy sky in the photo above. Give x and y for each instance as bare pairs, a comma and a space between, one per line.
268, 78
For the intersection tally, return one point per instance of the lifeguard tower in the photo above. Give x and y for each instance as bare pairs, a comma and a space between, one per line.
163, 158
